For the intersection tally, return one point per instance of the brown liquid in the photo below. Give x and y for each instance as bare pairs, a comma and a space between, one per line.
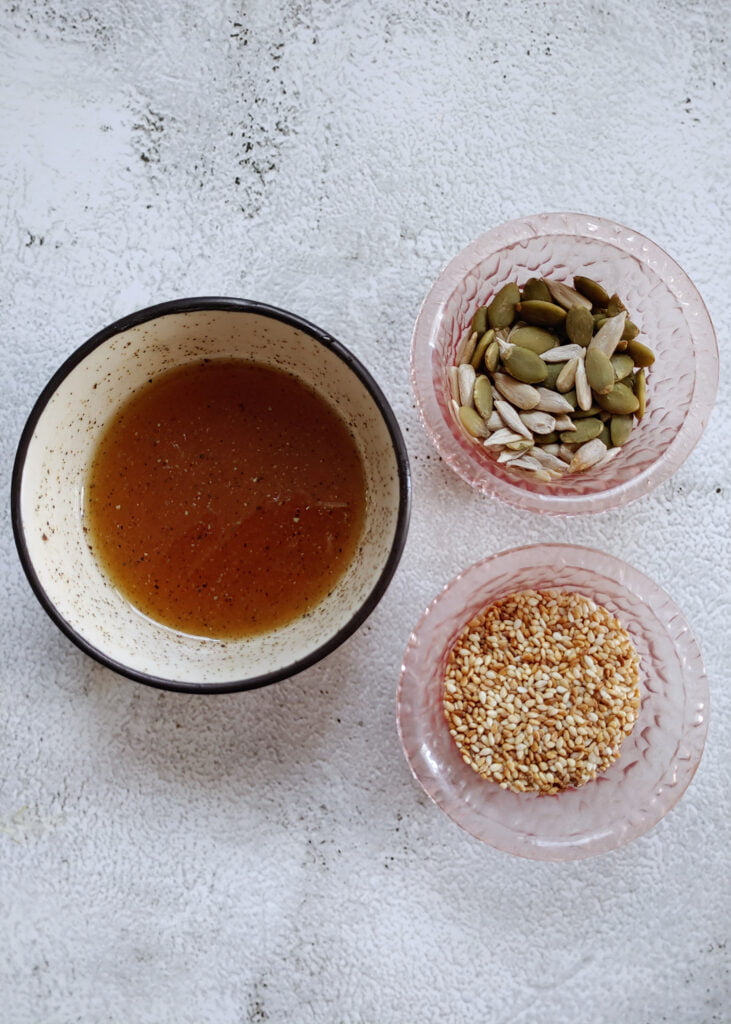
225, 499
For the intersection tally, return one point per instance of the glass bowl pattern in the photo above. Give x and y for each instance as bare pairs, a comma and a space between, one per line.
660, 298
658, 759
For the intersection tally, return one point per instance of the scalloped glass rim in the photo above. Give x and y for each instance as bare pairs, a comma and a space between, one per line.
658, 760
587, 492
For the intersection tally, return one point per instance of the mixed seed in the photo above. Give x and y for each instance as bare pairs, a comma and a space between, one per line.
540, 691
551, 379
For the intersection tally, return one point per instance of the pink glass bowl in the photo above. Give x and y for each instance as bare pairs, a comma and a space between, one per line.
662, 301
658, 759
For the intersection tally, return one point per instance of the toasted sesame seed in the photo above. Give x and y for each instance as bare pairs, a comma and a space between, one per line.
543, 687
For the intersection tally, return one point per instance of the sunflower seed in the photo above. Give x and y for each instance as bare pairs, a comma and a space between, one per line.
466, 380
550, 401
524, 396
608, 335
562, 354
564, 423
506, 455
466, 348
547, 460
453, 383
495, 421
520, 446
587, 455
567, 297
511, 419
565, 379
538, 422
583, 391
502, 437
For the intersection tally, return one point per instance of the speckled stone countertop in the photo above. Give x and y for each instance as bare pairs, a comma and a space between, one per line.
267, 857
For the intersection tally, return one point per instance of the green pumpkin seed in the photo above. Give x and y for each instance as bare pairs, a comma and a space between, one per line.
641, 354
620, 401
534, 338
541, 313
592, 290
492, 356
623, 365
580, 414
640, 393
586, 430
481, 348
606, 437
472, 422
552, 376
534, 288
524, 365
571, 398
482, 395
551, 438
501, 311
479, 321
630, 331
599, 371
579, 326
620, 427
615, 306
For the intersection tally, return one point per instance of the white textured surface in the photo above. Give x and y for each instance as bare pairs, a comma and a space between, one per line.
267, 857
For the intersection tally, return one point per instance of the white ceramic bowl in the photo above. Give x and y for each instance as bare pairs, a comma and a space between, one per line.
59, 440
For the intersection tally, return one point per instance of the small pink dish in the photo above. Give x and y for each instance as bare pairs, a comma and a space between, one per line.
662, 301
658, 759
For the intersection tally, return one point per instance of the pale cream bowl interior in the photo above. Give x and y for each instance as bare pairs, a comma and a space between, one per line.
60, 439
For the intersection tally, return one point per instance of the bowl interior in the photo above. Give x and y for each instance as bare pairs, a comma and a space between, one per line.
657, 760
661, 300
64, 439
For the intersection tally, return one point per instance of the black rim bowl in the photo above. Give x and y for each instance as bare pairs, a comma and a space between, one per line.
192, 305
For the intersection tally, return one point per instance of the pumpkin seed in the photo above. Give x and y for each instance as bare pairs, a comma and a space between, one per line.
599, 371
480, 348
472, 421
641, 354
548, 439
482, 396
554, 369
492, 356
535, 289
592, 290
585, 430
466, 380
534, 338
630, 331
567, 376
479, 321
541, 313
570, 397
605, 437
620, 427
579, 326
623, 365
620, 400
567, 297
524, 365
580, 414
501, 311
641, 393
615, 305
